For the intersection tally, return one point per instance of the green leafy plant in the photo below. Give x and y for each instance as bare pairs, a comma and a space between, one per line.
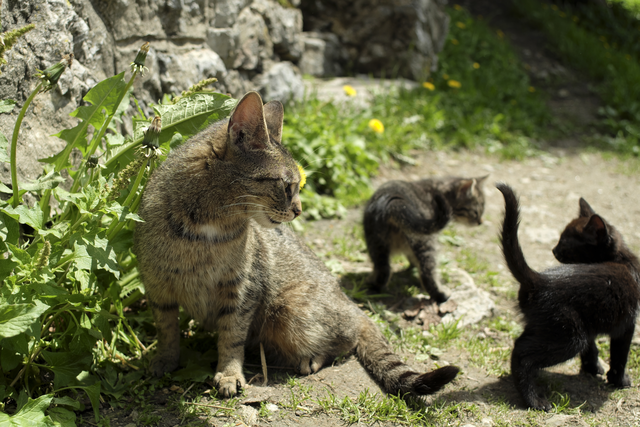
68, 275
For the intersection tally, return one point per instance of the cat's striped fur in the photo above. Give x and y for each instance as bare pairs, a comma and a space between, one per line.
211, 243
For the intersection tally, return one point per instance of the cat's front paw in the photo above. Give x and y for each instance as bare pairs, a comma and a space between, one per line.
229, 385
618, 381
308, 366
164, 362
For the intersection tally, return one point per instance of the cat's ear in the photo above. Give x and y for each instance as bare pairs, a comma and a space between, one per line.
467, 187
247, 128
481, 180
596, 230
274, 116
585, 209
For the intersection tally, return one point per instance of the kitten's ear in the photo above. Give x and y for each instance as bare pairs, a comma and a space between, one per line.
585, 209
467, 187
247, 127
481, 179
596, 230
274, 116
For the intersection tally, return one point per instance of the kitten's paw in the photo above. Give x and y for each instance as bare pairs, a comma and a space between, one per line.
440, 296
618, 381
164, 362
229, 385
539, 403
594, 370
308, 366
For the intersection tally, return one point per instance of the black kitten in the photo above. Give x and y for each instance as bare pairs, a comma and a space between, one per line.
567, 307
403, 217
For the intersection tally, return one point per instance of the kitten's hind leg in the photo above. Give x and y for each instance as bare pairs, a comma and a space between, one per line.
524, 373
424, 256
379, 252
167, 357
589, 357
620, 347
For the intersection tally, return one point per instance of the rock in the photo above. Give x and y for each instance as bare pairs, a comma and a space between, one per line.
322, 54
282, 83
386, 37
284, 25
559, 420
473, 302
248, 414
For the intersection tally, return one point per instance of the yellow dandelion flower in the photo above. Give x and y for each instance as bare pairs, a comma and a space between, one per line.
575, 18
445, 76
603, 39
303, 176
349, 90
500, 33
454, 83
376, 126
563, 15
428, 85
554, 7
532, 89
461, 25
455, 42
476, 65
457, 7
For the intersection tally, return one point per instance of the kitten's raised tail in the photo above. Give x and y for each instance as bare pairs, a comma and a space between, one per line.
387, 368
510, 247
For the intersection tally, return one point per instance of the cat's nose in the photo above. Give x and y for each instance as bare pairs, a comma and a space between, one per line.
296, 208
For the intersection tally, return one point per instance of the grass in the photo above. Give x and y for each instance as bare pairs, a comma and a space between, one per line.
604, 46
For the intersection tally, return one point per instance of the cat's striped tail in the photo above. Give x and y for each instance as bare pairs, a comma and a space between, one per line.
386, 367
511, 247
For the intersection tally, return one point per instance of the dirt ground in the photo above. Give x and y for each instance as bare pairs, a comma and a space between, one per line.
549, 186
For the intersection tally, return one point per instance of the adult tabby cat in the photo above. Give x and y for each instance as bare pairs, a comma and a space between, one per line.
212, 243
404, 217
565, 308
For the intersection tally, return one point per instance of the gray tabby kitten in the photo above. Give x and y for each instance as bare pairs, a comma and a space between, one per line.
212, 243
403, 217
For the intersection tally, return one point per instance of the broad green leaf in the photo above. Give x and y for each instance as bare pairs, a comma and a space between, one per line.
9, 359
188, 117
4, 149
62, 417
102, 98
93, 391
49, 181
67, 401
9, 229
4, 189
66, 366
92, 251
6, 105
30, 216
31, 414
122, 212
19, 255
17, 318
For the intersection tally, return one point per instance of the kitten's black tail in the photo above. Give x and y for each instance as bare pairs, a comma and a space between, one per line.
511, 248
387, 368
